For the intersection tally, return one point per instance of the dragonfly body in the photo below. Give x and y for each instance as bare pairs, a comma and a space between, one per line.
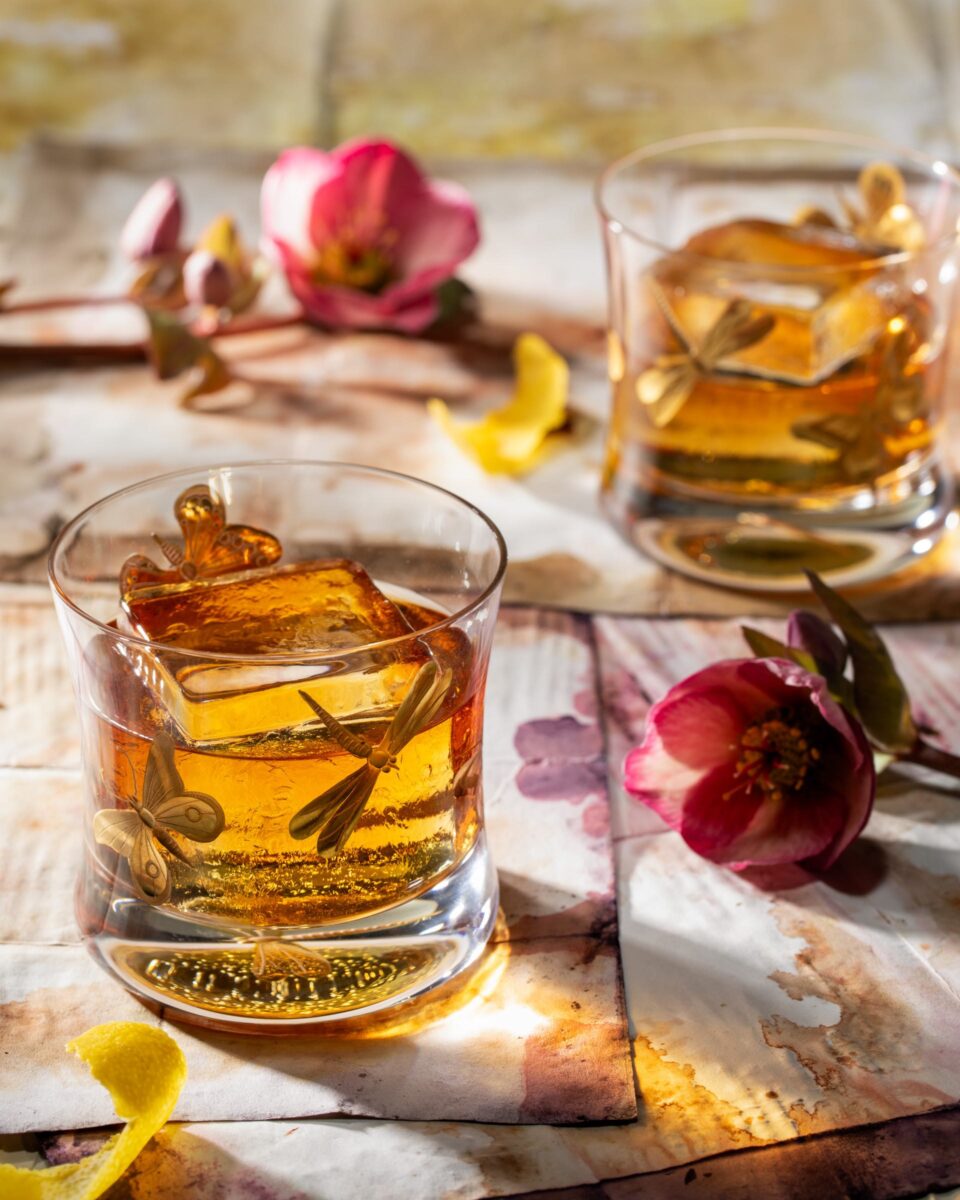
333, 815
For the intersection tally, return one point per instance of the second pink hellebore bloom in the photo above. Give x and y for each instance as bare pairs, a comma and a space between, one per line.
753, 763
364, 238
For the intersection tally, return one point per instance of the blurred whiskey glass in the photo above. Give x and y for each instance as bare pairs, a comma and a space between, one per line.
780, 308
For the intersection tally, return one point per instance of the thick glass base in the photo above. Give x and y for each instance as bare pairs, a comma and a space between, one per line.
871, 532
282, 980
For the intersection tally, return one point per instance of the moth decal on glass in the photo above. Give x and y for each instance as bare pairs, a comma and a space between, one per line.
210, 546
166, 808
333, 814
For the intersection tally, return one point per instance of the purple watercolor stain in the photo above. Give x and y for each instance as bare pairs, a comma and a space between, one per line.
563, 760
555, 738
572, 782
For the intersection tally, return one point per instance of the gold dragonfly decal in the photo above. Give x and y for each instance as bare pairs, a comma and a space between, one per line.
333, 815
274, 959
210, 546
137, 833
860, 438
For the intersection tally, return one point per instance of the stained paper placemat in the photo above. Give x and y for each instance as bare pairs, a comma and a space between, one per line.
759, 1016
537, 1035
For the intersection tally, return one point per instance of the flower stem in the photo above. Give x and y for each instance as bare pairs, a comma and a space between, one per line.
52, 303
48, 354
933, 757
253, 324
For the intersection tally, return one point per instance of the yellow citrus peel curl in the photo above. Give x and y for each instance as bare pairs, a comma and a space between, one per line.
143, 1069
512, 439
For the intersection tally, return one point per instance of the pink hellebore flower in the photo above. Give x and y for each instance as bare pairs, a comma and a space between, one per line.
153, 228
754, 763
365, 239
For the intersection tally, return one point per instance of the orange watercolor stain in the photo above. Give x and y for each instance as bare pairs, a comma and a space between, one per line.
860, 1061
681, 1110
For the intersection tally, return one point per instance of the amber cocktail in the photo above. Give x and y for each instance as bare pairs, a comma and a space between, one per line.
281, 672
780, 308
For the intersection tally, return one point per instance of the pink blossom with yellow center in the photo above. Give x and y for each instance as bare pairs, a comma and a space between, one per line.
364, 237
754, 763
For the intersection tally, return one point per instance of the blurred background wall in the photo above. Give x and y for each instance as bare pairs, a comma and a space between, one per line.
578, 80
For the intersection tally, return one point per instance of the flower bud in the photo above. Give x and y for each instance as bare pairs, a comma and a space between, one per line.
207, 280
807, 631
153, 227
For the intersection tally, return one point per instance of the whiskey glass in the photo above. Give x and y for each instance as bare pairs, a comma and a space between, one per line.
280, 673
780, 306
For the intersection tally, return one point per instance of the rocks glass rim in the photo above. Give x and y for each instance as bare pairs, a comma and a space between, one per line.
187, 475
877, 147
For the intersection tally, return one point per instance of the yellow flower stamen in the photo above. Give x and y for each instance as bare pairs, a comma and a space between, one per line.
775, 756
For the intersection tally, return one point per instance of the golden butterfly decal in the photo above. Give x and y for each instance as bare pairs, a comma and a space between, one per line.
210, 546
333, 814
883, 218
664, 388
167, 808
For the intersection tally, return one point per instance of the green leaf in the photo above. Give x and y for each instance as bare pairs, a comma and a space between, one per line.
455, 300
173, 349
159, 285
765, 646
879, 695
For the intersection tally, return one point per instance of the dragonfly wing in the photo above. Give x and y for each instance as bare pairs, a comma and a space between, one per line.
423, 681
420, 705
335, 809
338, 825
194, 814
117, 828
161, 781
148, 869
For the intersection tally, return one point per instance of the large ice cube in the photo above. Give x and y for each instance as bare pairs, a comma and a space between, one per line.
331, 604
824, 315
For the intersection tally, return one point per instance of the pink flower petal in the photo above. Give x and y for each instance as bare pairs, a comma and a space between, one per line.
700, 728
380, 188
287, 199
444, 233
859, 792
716, 812
366, 195
345, 308
791, 830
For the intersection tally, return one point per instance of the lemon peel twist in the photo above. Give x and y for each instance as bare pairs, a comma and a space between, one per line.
144, 1070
